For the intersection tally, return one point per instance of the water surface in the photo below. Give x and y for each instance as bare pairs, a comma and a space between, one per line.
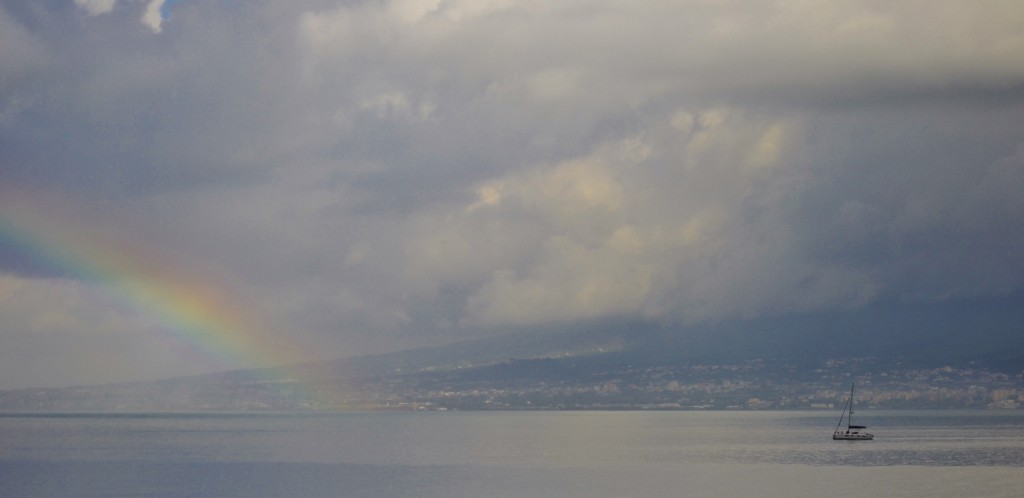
499, 454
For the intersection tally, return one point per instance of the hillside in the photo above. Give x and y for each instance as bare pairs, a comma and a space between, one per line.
975, 353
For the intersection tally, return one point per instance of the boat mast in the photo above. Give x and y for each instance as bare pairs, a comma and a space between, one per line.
848, 405
849, 420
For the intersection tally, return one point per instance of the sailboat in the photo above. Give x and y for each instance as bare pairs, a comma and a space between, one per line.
852, 432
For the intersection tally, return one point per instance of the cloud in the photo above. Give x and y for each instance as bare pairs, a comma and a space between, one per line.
651, 227
386, 174
24, 60
54, 306
153, 17
605, 52
96, 7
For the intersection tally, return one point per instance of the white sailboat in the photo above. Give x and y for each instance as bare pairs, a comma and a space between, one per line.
852, 432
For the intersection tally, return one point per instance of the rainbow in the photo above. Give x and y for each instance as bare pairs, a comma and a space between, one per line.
192, 310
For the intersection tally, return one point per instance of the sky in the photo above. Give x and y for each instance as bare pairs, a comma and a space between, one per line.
200, 185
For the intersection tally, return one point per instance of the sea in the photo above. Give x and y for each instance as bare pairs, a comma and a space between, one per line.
511, 454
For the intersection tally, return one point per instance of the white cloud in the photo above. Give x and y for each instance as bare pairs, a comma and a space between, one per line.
96, 7
608, 51
628, 229
153, 18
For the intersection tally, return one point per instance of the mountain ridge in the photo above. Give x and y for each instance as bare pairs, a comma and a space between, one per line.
987, 334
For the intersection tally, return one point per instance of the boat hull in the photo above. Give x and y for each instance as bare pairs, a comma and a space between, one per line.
839, 436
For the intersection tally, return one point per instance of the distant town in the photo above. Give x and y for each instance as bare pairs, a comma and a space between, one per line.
569, 383
749, 385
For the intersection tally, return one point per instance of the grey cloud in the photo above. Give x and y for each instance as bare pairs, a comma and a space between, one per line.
391, 173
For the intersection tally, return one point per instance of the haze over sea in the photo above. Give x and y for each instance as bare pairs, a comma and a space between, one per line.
505, 454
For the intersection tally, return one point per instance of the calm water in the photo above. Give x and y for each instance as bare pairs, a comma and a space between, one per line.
512, 454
